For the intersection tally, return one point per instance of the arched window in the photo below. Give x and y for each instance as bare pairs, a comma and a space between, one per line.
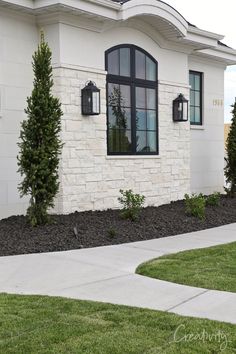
132, 127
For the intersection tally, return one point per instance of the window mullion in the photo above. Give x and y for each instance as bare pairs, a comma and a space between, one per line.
133, 83
133, 118
133, 102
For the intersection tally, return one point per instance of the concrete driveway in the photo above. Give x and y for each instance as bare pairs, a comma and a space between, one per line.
106, 274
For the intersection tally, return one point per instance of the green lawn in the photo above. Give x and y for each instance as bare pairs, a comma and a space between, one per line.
37, 324
210, 268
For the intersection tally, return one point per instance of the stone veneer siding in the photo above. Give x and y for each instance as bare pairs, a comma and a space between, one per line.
91, 180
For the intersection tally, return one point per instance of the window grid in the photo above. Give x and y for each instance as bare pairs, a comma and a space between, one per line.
195, 108
133, 82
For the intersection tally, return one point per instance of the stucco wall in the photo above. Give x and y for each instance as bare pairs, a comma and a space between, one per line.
18, 40
207, 141
90, 179
87, 48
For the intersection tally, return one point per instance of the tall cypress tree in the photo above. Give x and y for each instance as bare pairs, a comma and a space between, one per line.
230, 169
40, 144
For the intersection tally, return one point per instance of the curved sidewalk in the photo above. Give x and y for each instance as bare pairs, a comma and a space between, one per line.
107, 274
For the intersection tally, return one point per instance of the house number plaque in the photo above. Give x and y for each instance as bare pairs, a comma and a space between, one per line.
218, 102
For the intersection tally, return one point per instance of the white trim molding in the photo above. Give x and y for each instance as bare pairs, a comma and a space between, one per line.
163, 18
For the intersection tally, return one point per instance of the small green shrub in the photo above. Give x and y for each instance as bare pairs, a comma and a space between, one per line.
112, 232
195, 205
213, 199
229, 193
132, 204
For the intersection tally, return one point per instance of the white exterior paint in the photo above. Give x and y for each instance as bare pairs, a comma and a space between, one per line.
207, 141
79, 33
18, 39
173, 66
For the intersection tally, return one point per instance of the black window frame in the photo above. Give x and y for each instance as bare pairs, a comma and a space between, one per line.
200, 75
133, 82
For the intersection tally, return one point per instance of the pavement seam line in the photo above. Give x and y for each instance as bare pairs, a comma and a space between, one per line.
212, 244
189, 299
96, 281
93, 264
147, 249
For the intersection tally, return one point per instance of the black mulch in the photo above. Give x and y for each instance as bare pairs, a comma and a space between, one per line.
102, 228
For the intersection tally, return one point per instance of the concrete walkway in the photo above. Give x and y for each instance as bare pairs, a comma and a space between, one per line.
107, 274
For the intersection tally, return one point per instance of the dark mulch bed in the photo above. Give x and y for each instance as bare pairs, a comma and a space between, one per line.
102, 228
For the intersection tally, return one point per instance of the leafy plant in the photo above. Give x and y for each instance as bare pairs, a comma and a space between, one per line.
112, 232
195, 205
119, 125
132, 204
213, 199
40, 144
230, 168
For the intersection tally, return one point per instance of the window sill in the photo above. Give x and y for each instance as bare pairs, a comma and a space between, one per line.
197, 127
131, 157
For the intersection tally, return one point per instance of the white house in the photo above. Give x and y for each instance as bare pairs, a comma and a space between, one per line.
145, 52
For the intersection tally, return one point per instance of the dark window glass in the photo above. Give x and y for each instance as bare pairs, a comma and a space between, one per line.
119, 118
151, 120
125, 94
140, 97
197, 114
192, 98
191, 79
131, 100
151, 98
150, 70
124, 122
141, 138
119, 140
145, 67
141, 122
195, 81
146, 141
118, 95
125, 62
151, 141
119, 62
113, 63
140, 65
197, 99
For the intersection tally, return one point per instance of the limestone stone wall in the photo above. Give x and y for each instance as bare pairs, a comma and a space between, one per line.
91, 180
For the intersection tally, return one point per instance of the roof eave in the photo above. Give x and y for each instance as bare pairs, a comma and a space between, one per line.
204, 42
226, 57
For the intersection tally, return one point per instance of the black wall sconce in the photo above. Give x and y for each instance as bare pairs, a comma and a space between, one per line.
90, 99
180, 109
